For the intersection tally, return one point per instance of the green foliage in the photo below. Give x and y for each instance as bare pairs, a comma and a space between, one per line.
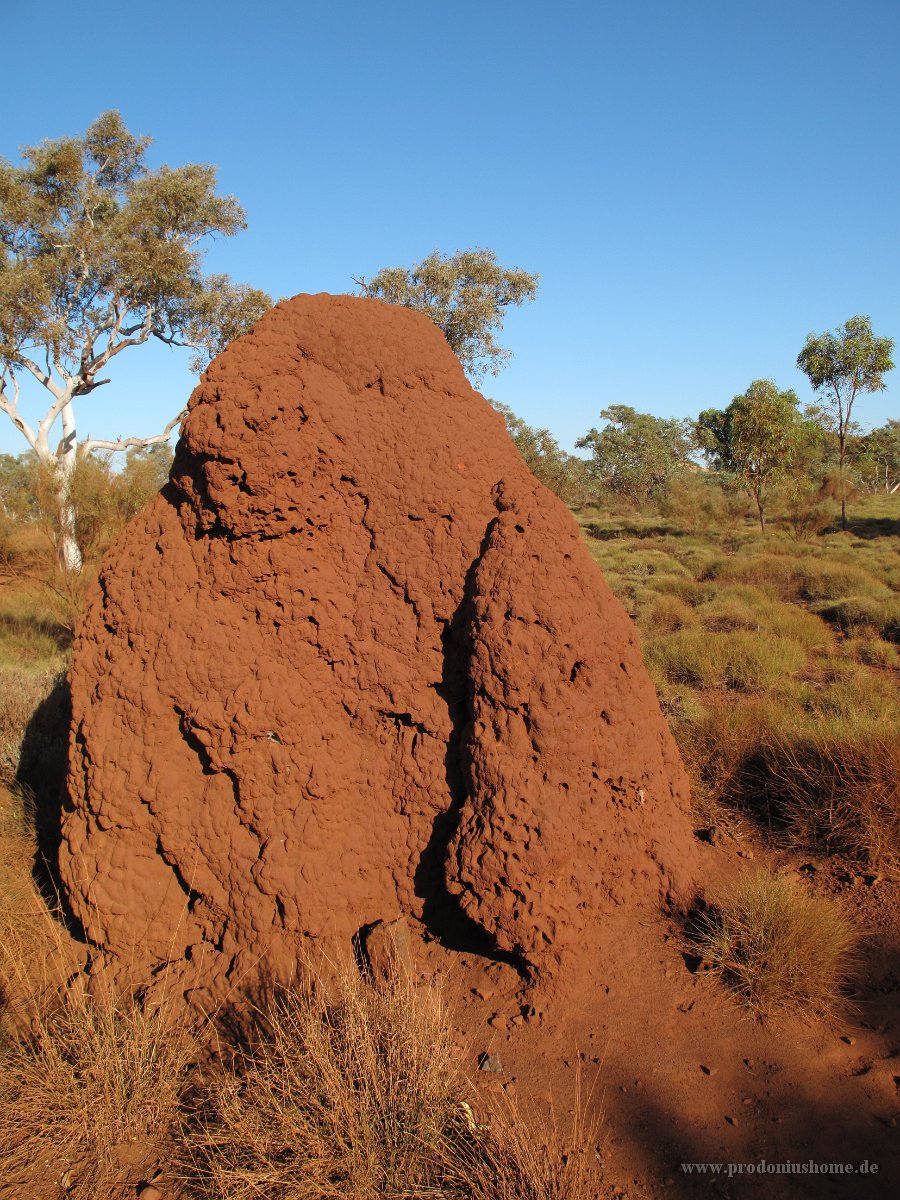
754, 438
562, 473
877, 456
465, 295
99, 252
16, 498
636, 455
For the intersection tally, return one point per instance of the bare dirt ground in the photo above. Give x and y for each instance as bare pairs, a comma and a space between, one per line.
675, 1073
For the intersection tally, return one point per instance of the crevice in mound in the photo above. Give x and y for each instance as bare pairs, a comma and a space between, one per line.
441, 911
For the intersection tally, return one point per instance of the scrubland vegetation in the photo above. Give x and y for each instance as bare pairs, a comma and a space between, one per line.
775, 660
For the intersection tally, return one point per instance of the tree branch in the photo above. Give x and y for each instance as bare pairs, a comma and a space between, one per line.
128, 443
113, 348
39, 375
11, 408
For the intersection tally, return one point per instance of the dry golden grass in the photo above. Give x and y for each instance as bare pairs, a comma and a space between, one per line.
21, 691
839, 787
781, 949
91, 1078
356, 1088
345, 1090
88, 1083
510, 1159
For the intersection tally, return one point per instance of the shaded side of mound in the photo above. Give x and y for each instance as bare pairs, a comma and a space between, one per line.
354, 663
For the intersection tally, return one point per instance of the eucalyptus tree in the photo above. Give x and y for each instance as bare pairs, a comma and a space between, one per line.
754, 438
635, 455
839, 366
99, 254
465, 295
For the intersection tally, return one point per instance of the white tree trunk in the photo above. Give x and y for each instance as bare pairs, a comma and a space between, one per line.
68, 550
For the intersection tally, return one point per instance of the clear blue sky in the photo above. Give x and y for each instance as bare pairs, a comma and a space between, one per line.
700, 184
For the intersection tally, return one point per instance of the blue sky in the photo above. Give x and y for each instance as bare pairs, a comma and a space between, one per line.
699, 184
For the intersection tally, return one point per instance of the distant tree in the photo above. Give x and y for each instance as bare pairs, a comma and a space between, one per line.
878, 456
542, 454
636, 454
754, 438
16, 497
98, 254
839, 366
465, 295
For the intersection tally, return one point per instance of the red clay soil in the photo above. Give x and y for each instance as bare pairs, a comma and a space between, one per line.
356, 666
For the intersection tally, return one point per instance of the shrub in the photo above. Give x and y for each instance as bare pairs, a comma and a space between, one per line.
839, 787
873, 651
821, 764
779, 948
799, 625
774, 573
666, 612
682, 586
836, 581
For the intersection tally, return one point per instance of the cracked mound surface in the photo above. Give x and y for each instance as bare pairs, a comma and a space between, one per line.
355, 663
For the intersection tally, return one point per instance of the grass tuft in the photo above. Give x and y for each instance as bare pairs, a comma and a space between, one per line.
781, 950
741, 659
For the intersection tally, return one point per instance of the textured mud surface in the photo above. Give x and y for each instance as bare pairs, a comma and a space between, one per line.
354, 664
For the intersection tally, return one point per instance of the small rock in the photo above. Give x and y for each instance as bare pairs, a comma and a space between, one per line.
388, 947
490, 1063
707, 1070
731, 1120
747, 1100
746, 854
850, 1041
871, 880
149, 1192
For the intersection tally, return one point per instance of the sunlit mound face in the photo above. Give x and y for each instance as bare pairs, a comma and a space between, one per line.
355, 663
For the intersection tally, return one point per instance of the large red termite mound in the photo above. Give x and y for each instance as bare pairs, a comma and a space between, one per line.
355, 663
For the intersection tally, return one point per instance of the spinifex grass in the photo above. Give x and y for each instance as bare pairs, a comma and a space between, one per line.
781, 949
